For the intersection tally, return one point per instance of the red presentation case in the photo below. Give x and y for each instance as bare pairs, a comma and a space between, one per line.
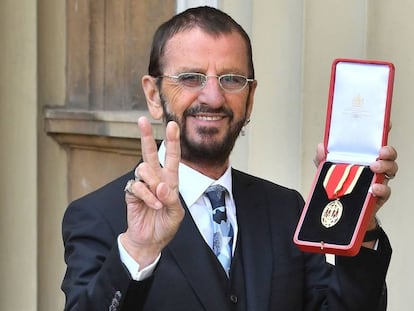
357, 126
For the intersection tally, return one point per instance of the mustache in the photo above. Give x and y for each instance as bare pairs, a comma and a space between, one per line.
206, 109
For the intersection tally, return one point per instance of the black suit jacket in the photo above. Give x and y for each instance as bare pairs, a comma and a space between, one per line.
268, 271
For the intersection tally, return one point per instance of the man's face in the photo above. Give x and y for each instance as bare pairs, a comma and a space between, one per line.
210, 119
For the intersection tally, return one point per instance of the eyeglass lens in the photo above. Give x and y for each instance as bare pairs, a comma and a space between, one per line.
228, 82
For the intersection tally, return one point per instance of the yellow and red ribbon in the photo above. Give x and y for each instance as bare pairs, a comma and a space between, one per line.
341, 179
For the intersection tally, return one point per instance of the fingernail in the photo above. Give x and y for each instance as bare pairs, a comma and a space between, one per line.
177, 132
158, 205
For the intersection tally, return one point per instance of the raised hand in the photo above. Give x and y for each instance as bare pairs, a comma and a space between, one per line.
154, 211
386, 164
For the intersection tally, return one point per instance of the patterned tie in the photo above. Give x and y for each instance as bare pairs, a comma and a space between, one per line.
222, 229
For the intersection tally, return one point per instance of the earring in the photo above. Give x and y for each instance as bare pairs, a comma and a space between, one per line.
243, 130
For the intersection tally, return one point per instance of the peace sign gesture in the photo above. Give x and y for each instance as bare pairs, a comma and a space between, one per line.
154, 210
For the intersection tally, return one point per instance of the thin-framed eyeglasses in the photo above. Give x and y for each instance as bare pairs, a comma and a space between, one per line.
195, 81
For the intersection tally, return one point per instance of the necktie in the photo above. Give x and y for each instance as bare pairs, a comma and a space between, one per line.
222, 229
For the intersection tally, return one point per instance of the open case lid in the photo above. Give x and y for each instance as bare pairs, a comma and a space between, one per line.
358, 115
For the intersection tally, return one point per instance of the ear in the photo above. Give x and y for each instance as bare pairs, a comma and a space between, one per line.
250, 100
152, 95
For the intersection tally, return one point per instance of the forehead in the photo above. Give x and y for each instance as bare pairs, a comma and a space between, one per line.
197, 50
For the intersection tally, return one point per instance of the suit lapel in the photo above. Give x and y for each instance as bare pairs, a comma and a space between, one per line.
198, 263
255, 238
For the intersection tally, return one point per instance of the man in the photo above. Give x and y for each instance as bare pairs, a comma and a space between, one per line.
159, 253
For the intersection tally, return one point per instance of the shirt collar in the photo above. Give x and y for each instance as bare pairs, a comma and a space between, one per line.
192, 183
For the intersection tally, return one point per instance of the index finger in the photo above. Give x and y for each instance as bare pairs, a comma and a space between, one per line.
148, 146
386, 163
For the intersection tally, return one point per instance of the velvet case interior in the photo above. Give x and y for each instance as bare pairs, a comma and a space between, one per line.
341, 233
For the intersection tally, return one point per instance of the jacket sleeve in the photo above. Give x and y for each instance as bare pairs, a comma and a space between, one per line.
362, 278
95, 278
353, 283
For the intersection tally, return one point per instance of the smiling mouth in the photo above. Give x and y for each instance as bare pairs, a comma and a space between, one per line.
209, 118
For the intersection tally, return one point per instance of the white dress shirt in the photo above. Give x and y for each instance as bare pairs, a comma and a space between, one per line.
192, 185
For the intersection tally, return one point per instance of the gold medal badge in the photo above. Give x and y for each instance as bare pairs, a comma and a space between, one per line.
339, 181
331, 214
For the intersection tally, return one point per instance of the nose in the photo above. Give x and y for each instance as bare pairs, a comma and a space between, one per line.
212, 93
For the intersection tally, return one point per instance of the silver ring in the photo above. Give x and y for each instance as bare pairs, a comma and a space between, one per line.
128, 187
389, 177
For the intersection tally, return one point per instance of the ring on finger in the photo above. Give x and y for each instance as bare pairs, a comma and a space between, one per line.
128, 186
389, 177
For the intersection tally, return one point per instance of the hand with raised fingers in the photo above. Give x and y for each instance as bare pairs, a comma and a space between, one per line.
154, 210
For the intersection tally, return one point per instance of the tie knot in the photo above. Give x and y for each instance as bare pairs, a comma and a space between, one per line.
216, 195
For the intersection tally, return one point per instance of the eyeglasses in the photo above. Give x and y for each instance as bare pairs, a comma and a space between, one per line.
194, 81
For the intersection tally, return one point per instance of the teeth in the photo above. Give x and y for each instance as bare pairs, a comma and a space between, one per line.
209, 118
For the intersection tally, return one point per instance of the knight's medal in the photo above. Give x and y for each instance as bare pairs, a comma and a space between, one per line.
331, 214
339, 181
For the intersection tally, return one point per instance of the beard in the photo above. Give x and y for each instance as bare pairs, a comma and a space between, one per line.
207, 151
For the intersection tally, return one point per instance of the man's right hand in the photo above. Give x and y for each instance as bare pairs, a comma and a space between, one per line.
154, 210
